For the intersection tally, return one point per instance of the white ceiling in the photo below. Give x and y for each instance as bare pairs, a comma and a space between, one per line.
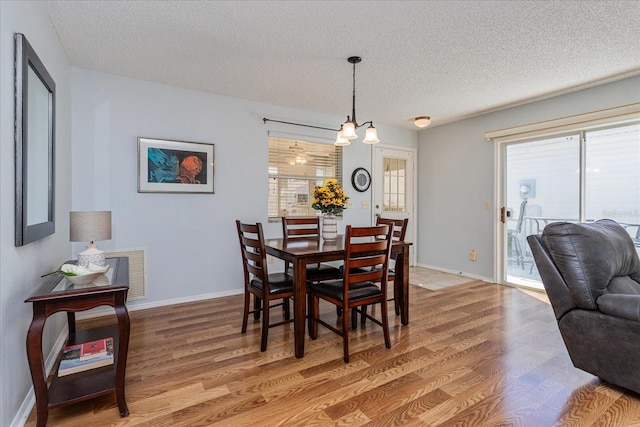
445, 59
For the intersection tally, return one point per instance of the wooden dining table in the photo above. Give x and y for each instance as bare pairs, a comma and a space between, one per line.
300, 252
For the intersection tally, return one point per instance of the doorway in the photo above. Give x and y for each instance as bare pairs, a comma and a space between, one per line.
394, 189
578, 177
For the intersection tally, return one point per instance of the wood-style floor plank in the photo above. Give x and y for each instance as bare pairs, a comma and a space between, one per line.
475, 354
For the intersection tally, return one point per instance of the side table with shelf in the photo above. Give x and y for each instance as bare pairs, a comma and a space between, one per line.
57, 294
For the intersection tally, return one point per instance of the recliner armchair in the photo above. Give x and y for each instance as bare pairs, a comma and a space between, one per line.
591, 273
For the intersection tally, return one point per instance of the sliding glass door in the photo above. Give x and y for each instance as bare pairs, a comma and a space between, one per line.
579, 177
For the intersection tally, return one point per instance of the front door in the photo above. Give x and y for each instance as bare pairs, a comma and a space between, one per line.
394, 188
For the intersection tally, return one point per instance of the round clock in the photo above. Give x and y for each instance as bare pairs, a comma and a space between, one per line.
360, 179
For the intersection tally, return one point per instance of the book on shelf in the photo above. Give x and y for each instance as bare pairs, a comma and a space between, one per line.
85, 356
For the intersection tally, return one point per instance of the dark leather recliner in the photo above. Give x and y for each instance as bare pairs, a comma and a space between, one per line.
591, 273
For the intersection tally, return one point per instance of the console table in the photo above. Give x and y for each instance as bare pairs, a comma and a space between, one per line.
57, 293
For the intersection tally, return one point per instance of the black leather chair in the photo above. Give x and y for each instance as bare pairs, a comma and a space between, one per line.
591, 273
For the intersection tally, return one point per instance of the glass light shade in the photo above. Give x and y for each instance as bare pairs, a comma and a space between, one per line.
341, 141
371, 137
349, 130
422, 121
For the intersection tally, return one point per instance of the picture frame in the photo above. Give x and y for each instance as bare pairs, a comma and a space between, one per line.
361, 179
35, 105
171, 166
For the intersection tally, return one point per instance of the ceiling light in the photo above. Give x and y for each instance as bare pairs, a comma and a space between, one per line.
348, 129
422, 121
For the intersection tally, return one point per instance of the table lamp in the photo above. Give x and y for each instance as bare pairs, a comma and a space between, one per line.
89, 226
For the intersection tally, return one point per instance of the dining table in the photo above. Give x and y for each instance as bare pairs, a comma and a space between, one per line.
300, 252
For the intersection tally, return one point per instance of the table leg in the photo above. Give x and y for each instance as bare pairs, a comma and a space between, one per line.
123, 347
299, 304
36, 365
402, 275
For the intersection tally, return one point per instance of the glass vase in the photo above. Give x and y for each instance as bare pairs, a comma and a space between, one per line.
329, 227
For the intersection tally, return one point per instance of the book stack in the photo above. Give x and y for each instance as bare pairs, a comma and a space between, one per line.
86, 356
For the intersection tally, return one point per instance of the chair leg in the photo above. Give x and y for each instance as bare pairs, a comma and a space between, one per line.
245, 316
385, 324
257, 304
363, 317
314, 307
285, 307
265, 326
396, 296
354, 317
345, 334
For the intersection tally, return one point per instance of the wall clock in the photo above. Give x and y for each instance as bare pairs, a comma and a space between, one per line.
360, 179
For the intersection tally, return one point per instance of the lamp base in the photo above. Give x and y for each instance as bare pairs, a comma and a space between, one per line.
91, 255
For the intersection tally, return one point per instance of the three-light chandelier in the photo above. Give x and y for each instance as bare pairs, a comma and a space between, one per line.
348, 129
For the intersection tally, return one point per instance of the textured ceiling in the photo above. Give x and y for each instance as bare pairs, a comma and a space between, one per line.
445, 59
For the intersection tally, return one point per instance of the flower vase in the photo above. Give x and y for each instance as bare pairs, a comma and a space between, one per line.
329, 227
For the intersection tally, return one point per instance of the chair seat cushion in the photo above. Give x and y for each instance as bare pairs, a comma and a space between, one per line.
278, 283
390, 275
316, 272
357, 291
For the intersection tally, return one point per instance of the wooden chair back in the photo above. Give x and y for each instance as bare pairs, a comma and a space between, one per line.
254, 259
300, 227
399, 227
367, 253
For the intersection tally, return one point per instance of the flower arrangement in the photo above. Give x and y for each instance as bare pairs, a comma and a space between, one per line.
330, 198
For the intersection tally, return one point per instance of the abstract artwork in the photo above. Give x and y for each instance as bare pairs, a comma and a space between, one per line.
166, 166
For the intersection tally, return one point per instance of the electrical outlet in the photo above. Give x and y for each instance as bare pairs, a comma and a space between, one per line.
473, 255
487, 206
365, 204
269, 258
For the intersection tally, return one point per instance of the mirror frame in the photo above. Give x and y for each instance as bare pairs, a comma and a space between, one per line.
25, 60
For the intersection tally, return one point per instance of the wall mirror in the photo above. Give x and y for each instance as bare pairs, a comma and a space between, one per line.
35, 145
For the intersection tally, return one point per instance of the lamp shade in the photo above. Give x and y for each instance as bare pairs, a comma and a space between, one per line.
88, 226
371, 137
349, 130
341, 141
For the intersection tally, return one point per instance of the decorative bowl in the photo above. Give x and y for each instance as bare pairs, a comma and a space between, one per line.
84, 275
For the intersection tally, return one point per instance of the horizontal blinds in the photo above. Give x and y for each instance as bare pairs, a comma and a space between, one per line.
290, 158
295, 167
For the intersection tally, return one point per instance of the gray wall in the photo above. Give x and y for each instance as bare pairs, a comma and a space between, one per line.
456, 176
189, 239
20, 268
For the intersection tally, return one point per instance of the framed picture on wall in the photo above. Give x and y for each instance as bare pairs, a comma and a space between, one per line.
168, 166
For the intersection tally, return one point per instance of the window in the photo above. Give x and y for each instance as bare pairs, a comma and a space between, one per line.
295, 168
394, 185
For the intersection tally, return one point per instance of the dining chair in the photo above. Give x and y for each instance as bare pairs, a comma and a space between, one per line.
264, 286
364, 282
399, 233
308, 228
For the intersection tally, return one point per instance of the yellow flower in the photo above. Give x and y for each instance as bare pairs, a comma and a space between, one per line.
329, 198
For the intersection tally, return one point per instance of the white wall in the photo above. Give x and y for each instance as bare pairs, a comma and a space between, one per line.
20, 268
456, 176
190, 239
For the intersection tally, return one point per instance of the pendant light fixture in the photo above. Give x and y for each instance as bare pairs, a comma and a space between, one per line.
348, 129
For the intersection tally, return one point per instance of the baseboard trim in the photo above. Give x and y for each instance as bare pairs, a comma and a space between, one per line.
456, 272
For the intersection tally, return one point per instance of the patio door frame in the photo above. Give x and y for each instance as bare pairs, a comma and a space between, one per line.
577, 124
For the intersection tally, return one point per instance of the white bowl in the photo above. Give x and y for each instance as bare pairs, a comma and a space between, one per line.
93, 275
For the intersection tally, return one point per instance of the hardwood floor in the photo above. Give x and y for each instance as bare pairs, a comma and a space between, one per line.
475, 354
